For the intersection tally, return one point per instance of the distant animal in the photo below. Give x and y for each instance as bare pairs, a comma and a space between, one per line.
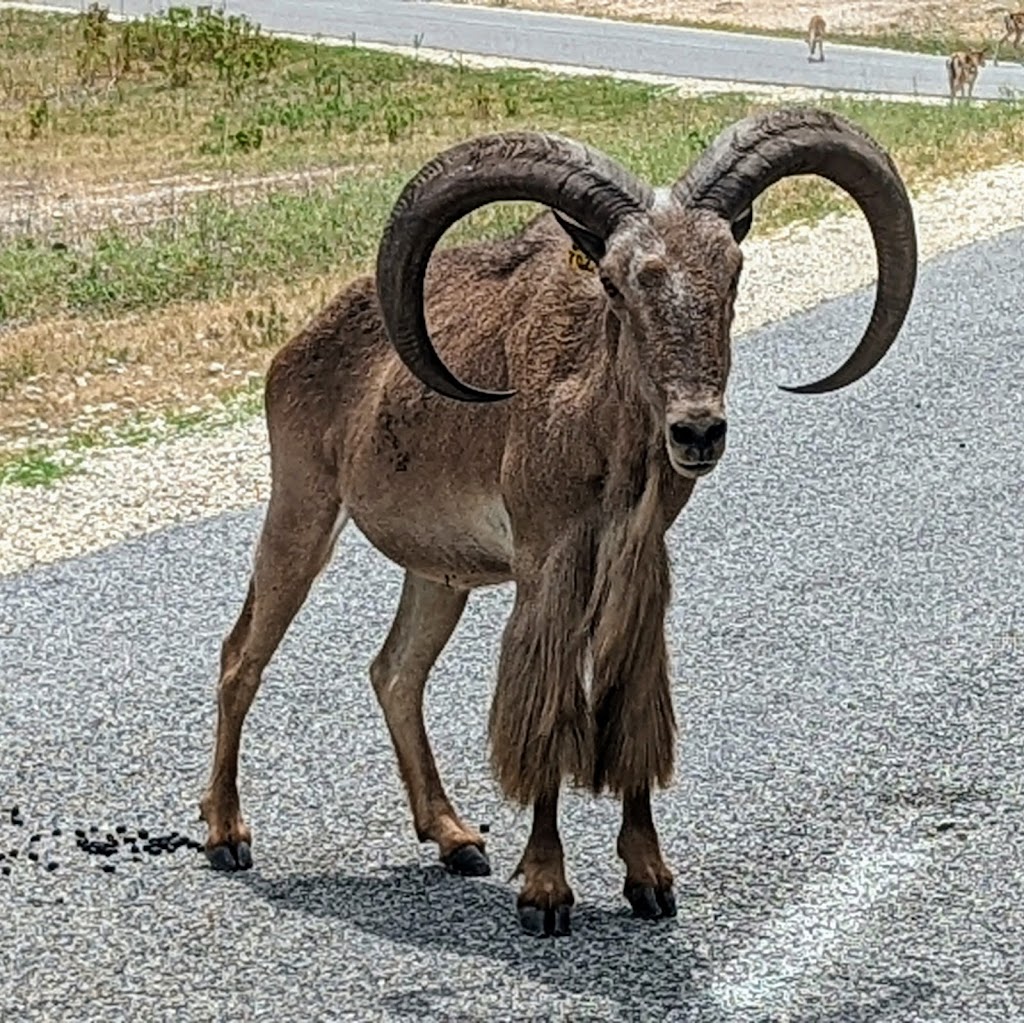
605, 323
816, 37
1013, 25
962, 71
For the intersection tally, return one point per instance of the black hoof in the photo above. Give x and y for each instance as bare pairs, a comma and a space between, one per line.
230, 857
650, 903
469, 861
551, 922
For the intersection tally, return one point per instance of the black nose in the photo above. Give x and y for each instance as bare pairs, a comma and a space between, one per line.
701, 436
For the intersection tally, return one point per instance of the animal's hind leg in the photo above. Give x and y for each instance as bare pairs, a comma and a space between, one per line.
298, 534
648, 885
427, 615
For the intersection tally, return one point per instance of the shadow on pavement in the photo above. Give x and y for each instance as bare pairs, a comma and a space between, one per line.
642, 967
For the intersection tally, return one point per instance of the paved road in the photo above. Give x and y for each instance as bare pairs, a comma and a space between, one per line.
847, 823
611, 45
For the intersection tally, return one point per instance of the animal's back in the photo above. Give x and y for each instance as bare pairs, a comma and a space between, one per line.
419, 472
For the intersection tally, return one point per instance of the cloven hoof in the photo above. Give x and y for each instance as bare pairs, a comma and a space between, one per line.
650, 903
230, 856
545, 922
468, 861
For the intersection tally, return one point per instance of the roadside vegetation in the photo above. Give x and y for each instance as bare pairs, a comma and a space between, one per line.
182, 192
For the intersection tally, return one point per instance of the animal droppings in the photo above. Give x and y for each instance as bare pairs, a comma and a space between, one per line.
93, 840
5, 870
485, 829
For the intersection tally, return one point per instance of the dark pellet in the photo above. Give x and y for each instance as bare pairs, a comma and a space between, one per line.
94, 830
134, 849
5, 870
56, 832
52, 866
121, 829
35, 838
109, 868
34, 856
13, 854
17, 821
484, 829
110, 839
136, 859
143, 833
79, 833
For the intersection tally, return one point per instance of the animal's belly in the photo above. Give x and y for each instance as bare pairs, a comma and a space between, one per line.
461, 543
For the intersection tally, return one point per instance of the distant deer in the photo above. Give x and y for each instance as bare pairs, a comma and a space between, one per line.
962, 69
1014, 26
816, 37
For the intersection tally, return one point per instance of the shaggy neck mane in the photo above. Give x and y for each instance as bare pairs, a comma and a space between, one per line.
634, 735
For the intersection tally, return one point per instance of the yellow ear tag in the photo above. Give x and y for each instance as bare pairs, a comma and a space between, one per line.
580, 260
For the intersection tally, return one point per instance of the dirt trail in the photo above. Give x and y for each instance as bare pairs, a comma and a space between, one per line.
64, 212
862, 17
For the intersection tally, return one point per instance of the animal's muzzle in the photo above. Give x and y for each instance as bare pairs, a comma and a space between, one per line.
696, 445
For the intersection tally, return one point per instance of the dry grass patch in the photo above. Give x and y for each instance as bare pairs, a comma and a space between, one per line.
86, 377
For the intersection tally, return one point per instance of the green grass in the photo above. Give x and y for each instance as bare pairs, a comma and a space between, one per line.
220, 248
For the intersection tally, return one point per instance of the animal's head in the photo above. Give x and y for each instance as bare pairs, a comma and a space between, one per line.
970, 60
669, 263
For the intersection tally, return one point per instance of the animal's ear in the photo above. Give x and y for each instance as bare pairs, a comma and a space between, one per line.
590, 244
741, 224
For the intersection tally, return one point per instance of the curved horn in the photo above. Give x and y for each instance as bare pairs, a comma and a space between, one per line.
584, 183
756, 152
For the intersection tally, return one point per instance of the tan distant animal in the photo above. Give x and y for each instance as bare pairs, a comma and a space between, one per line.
816, 37
1014, 26
962, 70
605, 326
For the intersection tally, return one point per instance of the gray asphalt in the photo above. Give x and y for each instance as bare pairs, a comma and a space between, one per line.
846, 826
597, 43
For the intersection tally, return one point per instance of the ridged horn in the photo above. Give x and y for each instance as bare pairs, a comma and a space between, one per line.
578, 180
758, 151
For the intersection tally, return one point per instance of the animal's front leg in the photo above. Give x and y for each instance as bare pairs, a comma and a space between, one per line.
540, 725
633, 714
648, 885
545, 898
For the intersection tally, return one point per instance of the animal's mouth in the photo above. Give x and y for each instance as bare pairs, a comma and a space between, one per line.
694, 469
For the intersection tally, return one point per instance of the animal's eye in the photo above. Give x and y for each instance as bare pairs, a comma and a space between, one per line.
609, 287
